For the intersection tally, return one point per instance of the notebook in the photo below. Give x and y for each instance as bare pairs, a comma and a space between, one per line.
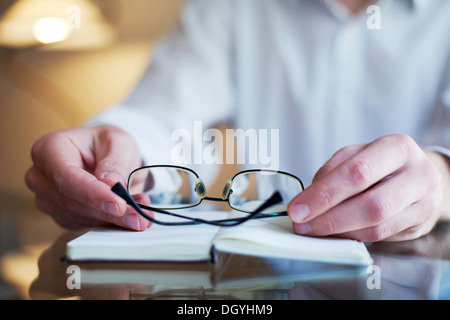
269, 238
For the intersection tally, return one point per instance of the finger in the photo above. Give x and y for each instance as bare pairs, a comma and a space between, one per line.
116, 157
427, 219
73, 213
353, 176
58, 157
33, 179
371, 208
70, 219
339, 157
41, 186
406, 225
64, 217
86, 188
145, 200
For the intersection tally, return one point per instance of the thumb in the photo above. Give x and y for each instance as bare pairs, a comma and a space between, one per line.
116, 155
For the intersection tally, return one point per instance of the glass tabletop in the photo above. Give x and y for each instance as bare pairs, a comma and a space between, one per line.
417, 269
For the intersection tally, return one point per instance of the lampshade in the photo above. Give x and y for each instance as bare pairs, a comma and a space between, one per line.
57, 24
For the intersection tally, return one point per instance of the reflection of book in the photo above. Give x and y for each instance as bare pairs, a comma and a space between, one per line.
184, 275
235, 273
232, 277
272, 237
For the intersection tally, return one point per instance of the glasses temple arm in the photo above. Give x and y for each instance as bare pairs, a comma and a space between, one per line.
274, 199
120, 190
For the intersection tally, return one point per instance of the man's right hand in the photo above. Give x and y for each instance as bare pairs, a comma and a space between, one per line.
73, 172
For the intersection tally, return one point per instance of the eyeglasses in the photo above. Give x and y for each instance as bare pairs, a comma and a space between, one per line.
257, 193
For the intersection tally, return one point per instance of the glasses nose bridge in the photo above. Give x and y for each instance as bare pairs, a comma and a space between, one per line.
200, 190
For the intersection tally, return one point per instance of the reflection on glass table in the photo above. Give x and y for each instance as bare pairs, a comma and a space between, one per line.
417, 269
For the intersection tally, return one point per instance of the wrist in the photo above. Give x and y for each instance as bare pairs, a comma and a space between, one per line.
442, 163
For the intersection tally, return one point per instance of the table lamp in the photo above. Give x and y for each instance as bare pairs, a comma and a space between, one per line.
54, 25
49, 25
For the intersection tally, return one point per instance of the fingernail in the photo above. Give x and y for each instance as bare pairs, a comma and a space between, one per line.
112, 176
132, 221
299, 212
302, 228
111, 208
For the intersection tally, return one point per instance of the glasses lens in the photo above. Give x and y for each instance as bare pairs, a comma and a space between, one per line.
251, 189
167, 187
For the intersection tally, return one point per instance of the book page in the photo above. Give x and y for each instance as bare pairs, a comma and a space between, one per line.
157, 243
274, 237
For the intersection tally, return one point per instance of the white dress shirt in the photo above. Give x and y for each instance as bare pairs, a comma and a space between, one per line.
306, 68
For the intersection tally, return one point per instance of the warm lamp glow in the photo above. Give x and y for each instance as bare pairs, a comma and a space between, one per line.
50, 30
65, 24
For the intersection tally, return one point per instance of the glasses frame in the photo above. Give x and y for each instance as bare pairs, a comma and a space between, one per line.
120, 190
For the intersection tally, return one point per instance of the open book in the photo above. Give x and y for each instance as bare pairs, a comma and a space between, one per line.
271, 238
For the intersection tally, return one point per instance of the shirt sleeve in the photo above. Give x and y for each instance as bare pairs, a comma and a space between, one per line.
189, 80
